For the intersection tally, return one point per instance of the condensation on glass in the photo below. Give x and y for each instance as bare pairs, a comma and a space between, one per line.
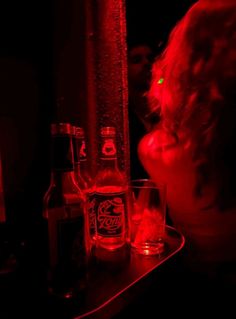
107, 74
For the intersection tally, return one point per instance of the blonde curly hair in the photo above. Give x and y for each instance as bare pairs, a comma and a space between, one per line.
194, 84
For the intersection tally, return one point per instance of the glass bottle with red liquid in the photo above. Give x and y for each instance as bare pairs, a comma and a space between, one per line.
110, 193
83, 179
64, 210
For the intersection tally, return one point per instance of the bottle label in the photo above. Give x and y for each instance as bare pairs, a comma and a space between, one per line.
91, 206
108, 149
110, 214
82, 151
66, 236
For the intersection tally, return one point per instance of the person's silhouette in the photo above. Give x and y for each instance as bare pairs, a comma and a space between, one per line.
140, 58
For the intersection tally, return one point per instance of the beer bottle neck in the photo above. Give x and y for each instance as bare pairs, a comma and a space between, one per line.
75, 150
108, 163
84, 165
62, 178
62, 154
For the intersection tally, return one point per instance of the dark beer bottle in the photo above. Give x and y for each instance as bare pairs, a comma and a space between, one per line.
64, 210
77, 163
82, 154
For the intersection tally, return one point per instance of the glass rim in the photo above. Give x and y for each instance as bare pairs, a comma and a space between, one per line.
137, 183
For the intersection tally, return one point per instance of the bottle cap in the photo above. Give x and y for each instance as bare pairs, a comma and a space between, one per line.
61, 129
108, 131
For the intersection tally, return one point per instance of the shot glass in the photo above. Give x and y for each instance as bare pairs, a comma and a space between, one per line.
147, 216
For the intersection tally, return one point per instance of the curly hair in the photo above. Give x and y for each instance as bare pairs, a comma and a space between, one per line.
194, 82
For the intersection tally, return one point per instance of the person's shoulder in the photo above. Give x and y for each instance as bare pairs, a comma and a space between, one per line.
163, 149
156, 142
167, 158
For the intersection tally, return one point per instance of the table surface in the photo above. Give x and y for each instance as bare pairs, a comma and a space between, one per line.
115, 276
112, 281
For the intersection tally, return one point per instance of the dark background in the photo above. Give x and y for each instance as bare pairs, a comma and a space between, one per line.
154, 19
31, 33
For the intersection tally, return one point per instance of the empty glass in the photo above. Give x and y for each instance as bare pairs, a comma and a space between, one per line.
147, 216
